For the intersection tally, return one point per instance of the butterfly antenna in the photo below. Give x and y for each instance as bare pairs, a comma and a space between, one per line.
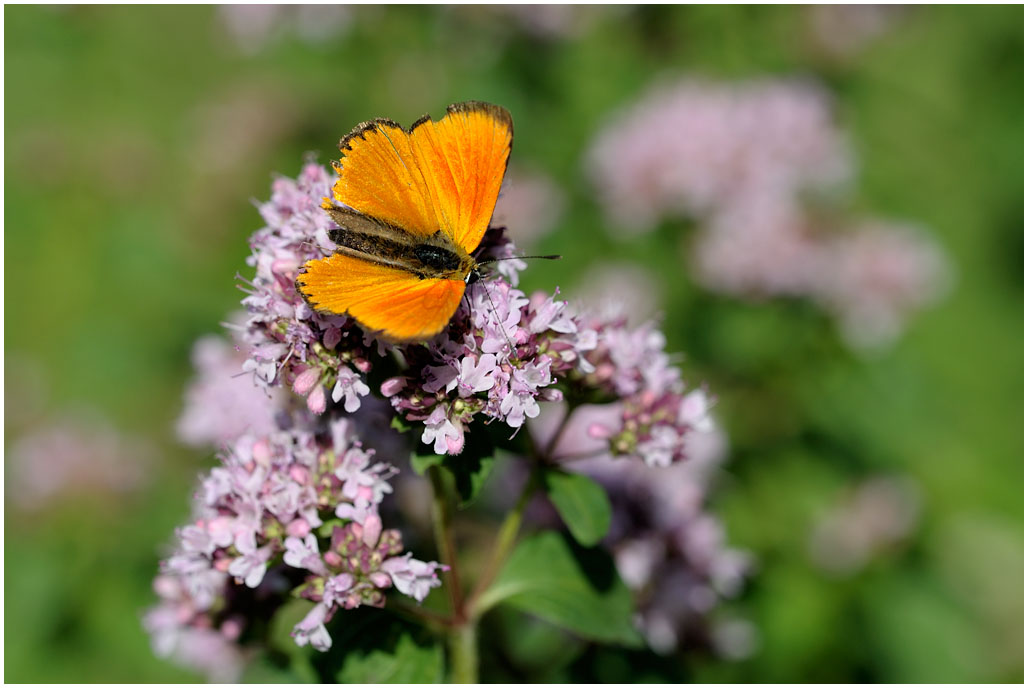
549, 257
314, 245
514, 353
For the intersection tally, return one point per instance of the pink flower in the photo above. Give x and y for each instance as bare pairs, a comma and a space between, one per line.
412, 577
441, 433
350, 386
476, 376
311, 629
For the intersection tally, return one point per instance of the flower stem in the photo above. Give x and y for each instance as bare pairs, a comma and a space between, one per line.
504, 543
445, 542
432, 620
464, 657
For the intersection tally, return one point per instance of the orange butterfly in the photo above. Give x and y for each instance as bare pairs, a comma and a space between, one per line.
417, 203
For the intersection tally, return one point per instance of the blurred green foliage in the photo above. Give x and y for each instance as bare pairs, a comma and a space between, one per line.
137, 136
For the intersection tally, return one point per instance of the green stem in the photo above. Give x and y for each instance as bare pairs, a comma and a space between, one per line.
432, 620
445, 542
506, 537
464, 657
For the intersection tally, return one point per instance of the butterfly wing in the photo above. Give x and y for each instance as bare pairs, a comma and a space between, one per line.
393, 301
463, 158
442, 175
379, 176
437, 176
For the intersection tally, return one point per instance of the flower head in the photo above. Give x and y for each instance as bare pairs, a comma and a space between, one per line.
299, 505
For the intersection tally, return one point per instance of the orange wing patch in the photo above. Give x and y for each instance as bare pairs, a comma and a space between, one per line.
395, 302
463, 158
379, 176
437, 176
442, 175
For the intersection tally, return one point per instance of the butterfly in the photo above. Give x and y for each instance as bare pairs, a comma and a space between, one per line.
412, 206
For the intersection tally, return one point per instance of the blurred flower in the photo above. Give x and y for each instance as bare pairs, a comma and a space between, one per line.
873, 276
227, 125
759, 246
75, 455
552, 22
690, 147
545, 21
223, 403
742, 161
180, 631
529, 206
618, 290
877, 515
254, 27
734, 639
844, 30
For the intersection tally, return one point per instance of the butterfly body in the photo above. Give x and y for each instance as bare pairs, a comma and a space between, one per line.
411, 206
432, 257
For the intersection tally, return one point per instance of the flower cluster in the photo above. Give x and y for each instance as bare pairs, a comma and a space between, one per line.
502, 353
654, 415
500, 359
669, 550
294, 507
693, 147
746, 161
288, 343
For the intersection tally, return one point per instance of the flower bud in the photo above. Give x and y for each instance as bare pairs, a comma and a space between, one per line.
316, 400
298, 527
306, 380
392, 386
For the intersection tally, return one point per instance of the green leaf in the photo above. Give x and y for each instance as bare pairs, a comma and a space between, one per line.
534, 645
421, 463
470, 471
472, 467
399, 661
582, 504
571, 587
280, 640
263, 670
398, 424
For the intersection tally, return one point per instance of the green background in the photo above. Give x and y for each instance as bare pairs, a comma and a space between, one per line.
136, 139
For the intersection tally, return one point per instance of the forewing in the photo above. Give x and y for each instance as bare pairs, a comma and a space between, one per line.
395, 302
463, 158
380, 177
